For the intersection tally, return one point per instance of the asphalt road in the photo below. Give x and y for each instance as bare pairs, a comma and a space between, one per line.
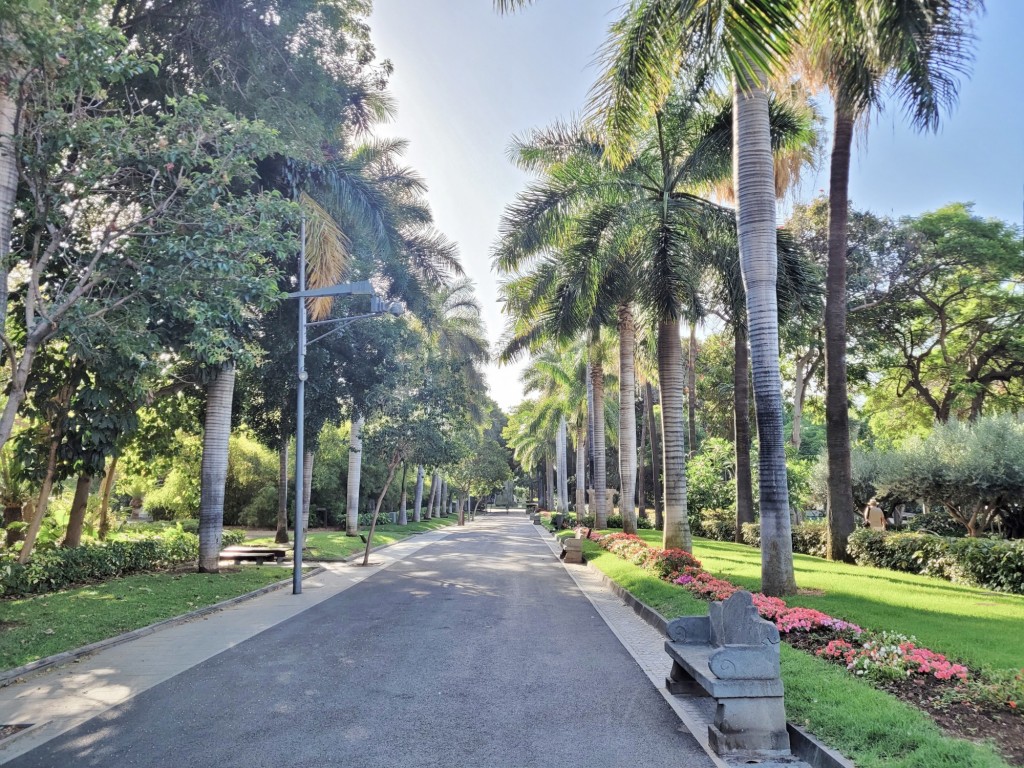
477, 650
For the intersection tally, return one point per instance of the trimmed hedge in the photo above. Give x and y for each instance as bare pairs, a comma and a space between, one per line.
989, 563
808, 538
615, 521
59, 568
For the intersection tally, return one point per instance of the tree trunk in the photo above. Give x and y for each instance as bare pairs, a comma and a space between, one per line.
600, 468
392, 465
741, 427
641, 477
307, 486
581, 474
676, 534
549, 482
691, 388
590, 424
563, 467
627, 417
108, 487
76, 518
656, 458
44, 499
355, 466
281, 537
806, 365
841, 512
20, 370
214, 471
403, 509
8, 183
755, 220
417, 504
462, 509
444, 497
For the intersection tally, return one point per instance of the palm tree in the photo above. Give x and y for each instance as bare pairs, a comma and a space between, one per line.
858, 48
641, 225
214, 471
645, 54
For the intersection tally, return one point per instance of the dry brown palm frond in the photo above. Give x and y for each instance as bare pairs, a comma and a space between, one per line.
328, 252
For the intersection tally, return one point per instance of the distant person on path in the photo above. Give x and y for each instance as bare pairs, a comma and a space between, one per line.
874, 516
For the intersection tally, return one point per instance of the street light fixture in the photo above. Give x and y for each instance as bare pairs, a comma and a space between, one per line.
378, 306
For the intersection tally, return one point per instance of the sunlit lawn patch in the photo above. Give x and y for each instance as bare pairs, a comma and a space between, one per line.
335, 545
35, 627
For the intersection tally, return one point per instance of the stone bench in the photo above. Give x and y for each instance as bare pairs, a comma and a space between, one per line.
572, 549
253, 554
732, 654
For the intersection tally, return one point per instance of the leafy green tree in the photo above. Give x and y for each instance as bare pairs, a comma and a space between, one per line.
973, 469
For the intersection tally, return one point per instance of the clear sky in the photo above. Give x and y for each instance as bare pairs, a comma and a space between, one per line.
466, 80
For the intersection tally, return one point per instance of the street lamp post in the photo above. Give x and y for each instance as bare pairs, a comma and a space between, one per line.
377, 307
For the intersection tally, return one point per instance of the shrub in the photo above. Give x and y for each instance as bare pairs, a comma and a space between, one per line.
718, 524
751, 533
55, 569
231, 538
809, 538
937, 521
709, 479
988, 563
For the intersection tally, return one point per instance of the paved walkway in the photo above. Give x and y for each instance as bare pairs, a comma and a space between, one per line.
462, 647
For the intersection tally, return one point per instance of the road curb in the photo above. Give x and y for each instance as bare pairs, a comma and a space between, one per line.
12, 675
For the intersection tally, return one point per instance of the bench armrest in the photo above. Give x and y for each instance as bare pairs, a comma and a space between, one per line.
689, 630
746, 662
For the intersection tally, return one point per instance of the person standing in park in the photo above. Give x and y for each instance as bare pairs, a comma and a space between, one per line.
874, 516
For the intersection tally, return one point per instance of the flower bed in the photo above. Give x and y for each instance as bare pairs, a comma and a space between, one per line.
879, 656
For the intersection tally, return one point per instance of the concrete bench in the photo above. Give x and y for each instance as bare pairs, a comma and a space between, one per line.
253, 554
572, 549
732, 654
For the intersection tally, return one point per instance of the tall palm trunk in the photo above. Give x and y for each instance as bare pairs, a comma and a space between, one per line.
445, 490
741, 426
841, 513
403, 509
307, 486
676, 534
581, 472
76, 518
656, 458
281, 537
8, 182
549, 482
417, 504
108, 486
600, 510
214, 470
627, 417
691, 388
563, 467
355, 466
590, 425
641, 476
755, 221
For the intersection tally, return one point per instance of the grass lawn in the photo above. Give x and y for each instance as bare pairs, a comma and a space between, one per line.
868, 725
335, 545
35, 627
980, 627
